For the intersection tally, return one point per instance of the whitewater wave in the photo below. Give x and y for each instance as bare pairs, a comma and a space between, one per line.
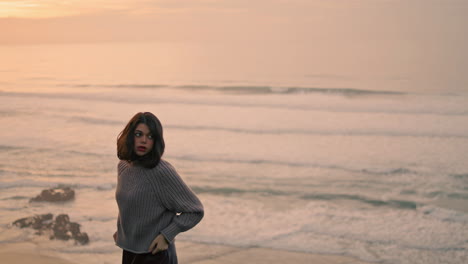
244, 89
400, 204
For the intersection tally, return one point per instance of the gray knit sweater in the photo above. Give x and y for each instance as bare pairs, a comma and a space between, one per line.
150, 201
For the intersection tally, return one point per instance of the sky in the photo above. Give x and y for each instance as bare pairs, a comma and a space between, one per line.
52, 21
420, 38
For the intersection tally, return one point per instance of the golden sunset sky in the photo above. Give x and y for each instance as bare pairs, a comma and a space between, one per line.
44, 21
54, 8
421, 40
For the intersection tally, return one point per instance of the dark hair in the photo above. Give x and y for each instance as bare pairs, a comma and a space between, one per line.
126, 141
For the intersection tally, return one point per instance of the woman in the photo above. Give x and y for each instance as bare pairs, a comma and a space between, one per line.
154, 202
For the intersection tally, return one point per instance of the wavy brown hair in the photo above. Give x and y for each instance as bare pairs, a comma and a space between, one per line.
126, 141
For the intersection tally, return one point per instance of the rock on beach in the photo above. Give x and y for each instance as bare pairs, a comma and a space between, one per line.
59, 194
61, 228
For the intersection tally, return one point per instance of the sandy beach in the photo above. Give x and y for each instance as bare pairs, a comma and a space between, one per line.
25, 252
188, 252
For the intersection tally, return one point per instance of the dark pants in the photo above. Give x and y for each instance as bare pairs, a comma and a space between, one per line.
168, 256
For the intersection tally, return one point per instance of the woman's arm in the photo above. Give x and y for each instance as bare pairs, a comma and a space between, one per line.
177, 197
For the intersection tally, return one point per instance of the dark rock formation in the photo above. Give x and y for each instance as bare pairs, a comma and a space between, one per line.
38, 222
55, 195
61, 228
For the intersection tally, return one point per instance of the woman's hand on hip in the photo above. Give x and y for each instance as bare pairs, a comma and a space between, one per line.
159, 244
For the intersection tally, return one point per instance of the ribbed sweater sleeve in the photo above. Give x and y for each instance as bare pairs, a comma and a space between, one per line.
152, 202
177, 197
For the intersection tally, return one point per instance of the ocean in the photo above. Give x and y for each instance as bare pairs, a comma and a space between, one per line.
282, 156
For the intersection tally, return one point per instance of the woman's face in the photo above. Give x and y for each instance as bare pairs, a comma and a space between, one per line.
144, 141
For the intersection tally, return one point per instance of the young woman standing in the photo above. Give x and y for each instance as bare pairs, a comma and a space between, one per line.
154, 202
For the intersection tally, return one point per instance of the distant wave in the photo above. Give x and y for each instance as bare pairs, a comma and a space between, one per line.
101, 121
400, 204
26, 183
313, 132
180, 101
245, 89
9, 148
391, 171
136, 86
255, 161
229, 191
451, 195
11, 113
463, 196
285, 90
461, 176
16, 198
49, 174
91, 120
13, 148
391, 203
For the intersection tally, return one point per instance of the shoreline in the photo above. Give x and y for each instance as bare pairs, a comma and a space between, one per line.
199, 253
187, 252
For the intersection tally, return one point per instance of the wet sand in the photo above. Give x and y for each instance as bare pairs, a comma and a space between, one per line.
217, 254
23, 252
188, 252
